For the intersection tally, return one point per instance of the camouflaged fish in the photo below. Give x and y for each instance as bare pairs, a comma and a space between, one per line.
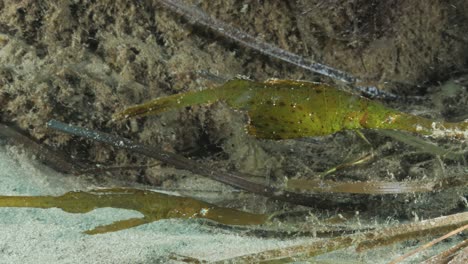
153, 205
284, 109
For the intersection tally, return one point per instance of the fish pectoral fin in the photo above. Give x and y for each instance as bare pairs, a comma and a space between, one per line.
118, 225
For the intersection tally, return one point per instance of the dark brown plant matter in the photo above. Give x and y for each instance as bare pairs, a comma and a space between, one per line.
82, 61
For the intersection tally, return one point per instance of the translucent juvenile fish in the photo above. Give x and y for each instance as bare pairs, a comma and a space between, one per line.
282, 109
153, 205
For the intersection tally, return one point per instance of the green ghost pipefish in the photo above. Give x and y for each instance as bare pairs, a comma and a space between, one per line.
153, 205
283, 109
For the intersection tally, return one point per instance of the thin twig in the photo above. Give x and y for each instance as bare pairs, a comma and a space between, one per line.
100, 169
428, 245
447, 255
236, 180
50, 157
198, 16
364, 241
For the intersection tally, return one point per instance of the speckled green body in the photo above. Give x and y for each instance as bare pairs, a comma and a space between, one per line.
282, 109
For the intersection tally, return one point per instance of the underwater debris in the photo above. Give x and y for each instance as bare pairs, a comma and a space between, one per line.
285, 109
237, 180
198, 16
153, 205
428, 245
375, 187
362, 241
50, 157
449, 254
423, 145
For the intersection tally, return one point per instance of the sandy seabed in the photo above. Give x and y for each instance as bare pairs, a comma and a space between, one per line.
52, 236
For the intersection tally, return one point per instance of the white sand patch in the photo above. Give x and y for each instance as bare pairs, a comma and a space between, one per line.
52, 236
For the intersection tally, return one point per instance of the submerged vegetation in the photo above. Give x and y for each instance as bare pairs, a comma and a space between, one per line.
361, 240
115, 68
